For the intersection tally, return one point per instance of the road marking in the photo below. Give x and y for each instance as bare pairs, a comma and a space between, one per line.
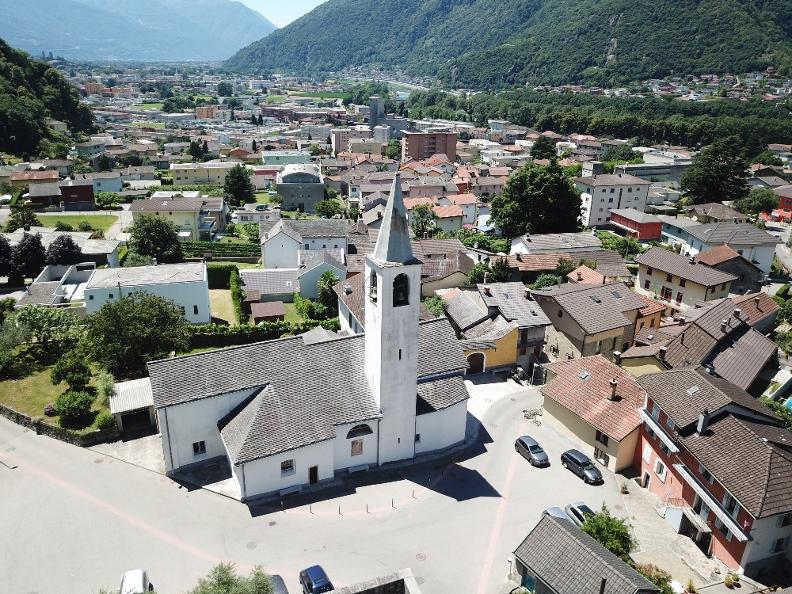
486, 569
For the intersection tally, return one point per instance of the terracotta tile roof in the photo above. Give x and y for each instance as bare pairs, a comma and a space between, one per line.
652, 306
717, 255
583, 386
410, 203
755, 307
585, 275
609, 263
449, 211
672, 263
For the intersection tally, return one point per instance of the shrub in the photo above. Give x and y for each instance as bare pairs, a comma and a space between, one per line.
219, 274
73, 405
105, 384
218, 335
783, 291
193, 249
104, 420
6, 360
311, 310
659, 577
133, 259
84, 226
61, 226
71, 369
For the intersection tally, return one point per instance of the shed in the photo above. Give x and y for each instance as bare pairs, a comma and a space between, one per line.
272, 311
132, 406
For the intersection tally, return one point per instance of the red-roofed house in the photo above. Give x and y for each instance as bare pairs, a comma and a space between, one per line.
725, 259
598, 403
467, 202
651, 315
586, 276
449, 217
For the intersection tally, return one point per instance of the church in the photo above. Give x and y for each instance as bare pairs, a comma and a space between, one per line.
299, 411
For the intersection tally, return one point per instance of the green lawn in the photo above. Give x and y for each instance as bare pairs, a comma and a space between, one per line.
223, 305
148, 106
262, 198
103, 222
291, 313
30, 393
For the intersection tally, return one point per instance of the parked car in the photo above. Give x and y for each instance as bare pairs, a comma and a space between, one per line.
314, 580
135, 581
582, 466
278, 585
578, 512
530, 449
556, 512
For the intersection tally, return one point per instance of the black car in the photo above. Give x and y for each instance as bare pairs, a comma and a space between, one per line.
530, 449
314, 580
582, 466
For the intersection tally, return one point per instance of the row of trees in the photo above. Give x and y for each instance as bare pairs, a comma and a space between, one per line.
28, 257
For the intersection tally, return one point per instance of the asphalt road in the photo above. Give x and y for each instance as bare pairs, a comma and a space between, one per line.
74, 520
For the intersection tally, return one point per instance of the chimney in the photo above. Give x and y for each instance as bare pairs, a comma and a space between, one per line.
724, 325
663, 351
617, 357
692, 260
519, 258
580, 275
613, 384
486, 281
347, 289
756, 303
527, 293
682, 320
737, 313
703, 422
487, 290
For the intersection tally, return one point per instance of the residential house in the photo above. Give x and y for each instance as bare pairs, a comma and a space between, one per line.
422, 145
634, 223
313, 264
607, 263
104, 181
42, 195
77, 194
749, 277
601, 194
273, 311
679, 281
715, 212
282, 240
25, 179
650, 316
301, 187
290, 413
759, 310
450, 218
557, 557
269, 285
197, 219
555, 243
255, 213
209, 173
720, 463
589, 319
756, 245
597, 402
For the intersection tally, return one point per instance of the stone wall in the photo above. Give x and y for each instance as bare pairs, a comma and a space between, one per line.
67, 435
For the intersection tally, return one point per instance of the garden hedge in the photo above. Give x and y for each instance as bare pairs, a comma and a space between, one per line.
218, 335
194, 249
219, 274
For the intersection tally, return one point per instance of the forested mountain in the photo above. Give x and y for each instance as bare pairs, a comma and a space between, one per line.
492, 43
31, 91
132, 30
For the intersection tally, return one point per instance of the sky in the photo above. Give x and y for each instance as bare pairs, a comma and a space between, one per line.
282, 12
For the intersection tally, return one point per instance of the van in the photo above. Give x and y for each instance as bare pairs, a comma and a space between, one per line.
135, 581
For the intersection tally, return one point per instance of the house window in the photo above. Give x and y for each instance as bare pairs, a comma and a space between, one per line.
669, 277
359, 431
730, 504
199, 447
287, 467
601, 437
682, 282
647, 283
90, 297
357, 447
669, 423
660, 470
785, 520
679, 297
666, 294
195, 310
706, 474
417, 438
109, 295
655, 411
401, 290
723, 287
780, 545
723, 530
649, 271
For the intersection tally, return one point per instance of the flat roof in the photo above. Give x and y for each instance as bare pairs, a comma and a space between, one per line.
105, 278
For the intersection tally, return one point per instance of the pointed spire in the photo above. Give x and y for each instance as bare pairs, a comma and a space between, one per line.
393, 243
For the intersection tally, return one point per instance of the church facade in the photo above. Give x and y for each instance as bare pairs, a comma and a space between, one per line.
303, 410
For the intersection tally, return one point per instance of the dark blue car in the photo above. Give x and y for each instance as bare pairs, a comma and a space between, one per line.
314, 580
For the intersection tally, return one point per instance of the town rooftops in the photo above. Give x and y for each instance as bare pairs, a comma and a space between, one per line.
670, 262
609, 263
717, 211
324, 381
560, 242
304, 228
584, 386
717, 255
109, 278
756, 307
271, 281
171, 205
617, 179
50, 175
585, 275
732, 233
511, 301
572, 562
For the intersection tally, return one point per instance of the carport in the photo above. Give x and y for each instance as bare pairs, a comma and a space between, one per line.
132, 406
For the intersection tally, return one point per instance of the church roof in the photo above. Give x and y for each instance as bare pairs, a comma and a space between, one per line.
393, 243
301, 391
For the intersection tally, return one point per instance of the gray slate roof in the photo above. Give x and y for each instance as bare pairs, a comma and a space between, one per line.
560, 242
271, 281
311, 388
147, 275
465, 311
571, 562
732, 234
670, 262
510, 300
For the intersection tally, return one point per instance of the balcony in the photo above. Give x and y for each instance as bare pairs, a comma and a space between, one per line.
655, 426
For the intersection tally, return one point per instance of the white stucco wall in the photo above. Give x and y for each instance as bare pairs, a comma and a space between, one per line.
279, 251
264, 475
187, 295
324, 243
764, 533
310, 278
342, 447
348, 322
441, 429
184, 424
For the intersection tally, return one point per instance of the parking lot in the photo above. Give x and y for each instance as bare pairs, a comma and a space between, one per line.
454, 524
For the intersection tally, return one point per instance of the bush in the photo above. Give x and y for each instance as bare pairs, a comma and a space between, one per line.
133, 259
311, 310
73, 370
73, 405
218, 335
238, 296
6, 360
104, 420
659, 577
84, 226
61, 226
783, 292
105, 385
196, 249
219, 274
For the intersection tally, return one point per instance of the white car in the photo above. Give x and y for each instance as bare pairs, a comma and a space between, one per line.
135, 581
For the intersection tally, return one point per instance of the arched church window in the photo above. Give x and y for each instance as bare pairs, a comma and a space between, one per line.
401, 290
373, 286
359, 431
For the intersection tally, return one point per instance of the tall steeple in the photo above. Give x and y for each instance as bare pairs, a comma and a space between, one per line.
393, 243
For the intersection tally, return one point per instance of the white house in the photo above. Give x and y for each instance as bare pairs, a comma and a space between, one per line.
186, 285
282, 240
295, 412
600, 194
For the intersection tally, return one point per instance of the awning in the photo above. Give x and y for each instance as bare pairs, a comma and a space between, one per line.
714, 505
647, 418
131, 395
696, 520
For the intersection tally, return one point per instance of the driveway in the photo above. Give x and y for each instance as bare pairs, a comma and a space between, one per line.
454, 525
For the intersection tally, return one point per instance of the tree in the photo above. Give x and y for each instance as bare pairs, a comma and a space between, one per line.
660, 578
779, 409
52, 328
5, 256
500, 271
106, 200
224, 89
72, 369
205, 148
719, 172
254, 146
127, 333
423, 221
328, 208
537, 200
64, 251
546, 280
223, 579
354, 213
436, 306
133, 259
21, 218
564, 267
28, 257
72, 406
611, 532
315, 150
196, 150
393, 150
260, 120
757, 201
253, 119
156, 238
237, 187
544, 148
767, 157
478, 272
326, 295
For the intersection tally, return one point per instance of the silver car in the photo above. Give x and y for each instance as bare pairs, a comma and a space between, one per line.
556, 512
530, 449
578, 512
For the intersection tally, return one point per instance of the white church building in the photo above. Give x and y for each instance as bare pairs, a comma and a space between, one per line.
302, 410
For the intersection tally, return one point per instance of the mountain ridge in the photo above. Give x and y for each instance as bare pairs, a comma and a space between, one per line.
490, 43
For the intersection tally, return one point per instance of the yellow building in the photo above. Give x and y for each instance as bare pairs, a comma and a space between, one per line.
196, 219
491, 345
200, 173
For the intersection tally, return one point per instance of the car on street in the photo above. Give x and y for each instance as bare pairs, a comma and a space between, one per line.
530, 449
556, 512
578, 512
135, 581
581, 465
278, 585
314, 580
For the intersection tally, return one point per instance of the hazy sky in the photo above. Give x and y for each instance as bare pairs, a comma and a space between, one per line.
282, 12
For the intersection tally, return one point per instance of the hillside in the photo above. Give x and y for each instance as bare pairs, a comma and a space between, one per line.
139, 30
31, 91
491, 43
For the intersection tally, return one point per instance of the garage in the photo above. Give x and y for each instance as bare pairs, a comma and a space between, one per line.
132, 406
